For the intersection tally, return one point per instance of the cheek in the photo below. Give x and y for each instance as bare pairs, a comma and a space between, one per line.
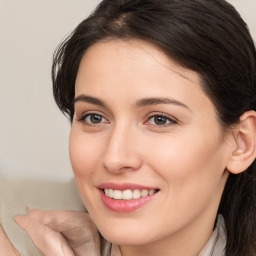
191, 170
84, 153
85, 158
189, 162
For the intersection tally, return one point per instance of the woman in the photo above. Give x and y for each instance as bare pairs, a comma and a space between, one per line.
162, 98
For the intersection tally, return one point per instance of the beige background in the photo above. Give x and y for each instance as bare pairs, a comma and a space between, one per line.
34, 166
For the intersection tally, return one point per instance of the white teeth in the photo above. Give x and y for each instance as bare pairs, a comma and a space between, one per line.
118, 194
128, 194
111, 193
151, 192
136, 194
107, 192
144, 193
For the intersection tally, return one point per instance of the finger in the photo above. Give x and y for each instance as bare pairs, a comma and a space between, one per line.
77, 227
77, 224
6, 247
71, 221
87, 248
48, 241
62, 220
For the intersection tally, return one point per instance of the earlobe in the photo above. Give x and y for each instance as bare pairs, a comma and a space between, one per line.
244, 152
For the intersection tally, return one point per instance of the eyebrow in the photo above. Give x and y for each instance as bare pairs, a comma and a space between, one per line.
140, 103
161, 100
89, 99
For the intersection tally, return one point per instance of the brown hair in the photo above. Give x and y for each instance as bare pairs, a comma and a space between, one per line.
206, 36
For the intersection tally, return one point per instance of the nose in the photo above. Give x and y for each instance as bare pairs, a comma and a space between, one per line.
122, 151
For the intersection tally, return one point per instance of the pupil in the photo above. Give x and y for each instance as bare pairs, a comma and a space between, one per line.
95, 119
159, 120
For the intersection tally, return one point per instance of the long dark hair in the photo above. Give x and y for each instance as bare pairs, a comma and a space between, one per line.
206, 36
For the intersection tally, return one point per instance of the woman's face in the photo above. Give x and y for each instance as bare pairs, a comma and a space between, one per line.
147, 151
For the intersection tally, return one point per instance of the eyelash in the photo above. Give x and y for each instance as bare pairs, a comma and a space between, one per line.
84, 117
168, 121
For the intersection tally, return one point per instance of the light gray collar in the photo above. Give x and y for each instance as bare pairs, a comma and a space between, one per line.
216, 245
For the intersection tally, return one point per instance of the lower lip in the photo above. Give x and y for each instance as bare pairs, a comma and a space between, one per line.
125, 205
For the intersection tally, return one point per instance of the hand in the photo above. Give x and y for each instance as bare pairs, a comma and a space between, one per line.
6, 247
62, 233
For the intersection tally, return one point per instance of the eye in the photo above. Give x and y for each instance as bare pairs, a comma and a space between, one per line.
160, 120
93, 119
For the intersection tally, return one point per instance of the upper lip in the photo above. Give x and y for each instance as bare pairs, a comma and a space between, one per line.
124, 186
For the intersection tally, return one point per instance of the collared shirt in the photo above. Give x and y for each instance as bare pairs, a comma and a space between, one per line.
216, 245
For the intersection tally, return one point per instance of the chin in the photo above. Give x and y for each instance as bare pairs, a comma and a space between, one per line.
125, 239
126, 235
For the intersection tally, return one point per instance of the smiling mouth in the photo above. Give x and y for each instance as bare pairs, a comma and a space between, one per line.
128, 194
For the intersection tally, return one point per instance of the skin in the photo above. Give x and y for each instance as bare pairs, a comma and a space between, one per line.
185, 158
6, 247
62, 233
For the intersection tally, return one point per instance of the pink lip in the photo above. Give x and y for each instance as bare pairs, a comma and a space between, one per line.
124, 205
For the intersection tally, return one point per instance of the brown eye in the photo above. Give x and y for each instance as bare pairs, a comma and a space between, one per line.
94, 119
160, 120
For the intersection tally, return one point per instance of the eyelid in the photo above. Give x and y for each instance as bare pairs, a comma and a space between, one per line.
102, 119
172, 119
87, 113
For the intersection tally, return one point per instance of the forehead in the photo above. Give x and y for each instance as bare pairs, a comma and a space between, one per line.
136, 51
132, 69
126, 59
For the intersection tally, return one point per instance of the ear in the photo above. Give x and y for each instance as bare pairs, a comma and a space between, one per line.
244, 152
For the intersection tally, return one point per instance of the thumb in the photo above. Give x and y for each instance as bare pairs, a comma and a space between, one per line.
48, 241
